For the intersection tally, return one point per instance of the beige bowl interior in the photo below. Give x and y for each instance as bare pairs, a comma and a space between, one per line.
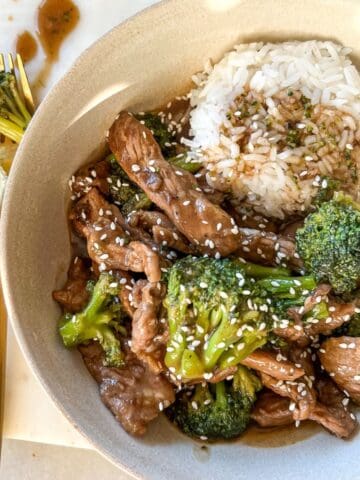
140, 65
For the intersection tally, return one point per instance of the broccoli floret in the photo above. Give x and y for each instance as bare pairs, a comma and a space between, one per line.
124, 193
160, 131
350, 328
329, 243
97, 321
14, 116
220, 411
128, 196
218, 314
353, 327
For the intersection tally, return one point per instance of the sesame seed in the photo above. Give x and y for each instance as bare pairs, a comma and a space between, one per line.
186, 203
292, 406
194, 405
221, 345
203, 285
135, 168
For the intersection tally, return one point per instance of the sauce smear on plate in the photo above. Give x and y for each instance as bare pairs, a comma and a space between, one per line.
26, 46
56, 19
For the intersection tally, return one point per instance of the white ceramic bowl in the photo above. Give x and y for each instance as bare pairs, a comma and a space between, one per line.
140, 65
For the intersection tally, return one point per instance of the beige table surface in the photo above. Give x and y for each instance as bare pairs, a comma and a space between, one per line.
29, 413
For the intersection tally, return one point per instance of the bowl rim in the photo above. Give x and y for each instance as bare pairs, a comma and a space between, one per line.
149, 13
12, 317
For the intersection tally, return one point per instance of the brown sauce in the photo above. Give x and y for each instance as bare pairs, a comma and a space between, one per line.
258, 437
26, 46
56, 20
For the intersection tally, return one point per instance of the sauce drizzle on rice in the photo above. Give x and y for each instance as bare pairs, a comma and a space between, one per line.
272, 122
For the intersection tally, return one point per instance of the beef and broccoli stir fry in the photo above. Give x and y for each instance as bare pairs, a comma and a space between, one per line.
188, 303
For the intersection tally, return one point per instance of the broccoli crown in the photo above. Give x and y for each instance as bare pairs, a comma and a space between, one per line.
351, 328
220, 310
214, 412
97, 321
14, 116
329, 243
162, 135
124, 193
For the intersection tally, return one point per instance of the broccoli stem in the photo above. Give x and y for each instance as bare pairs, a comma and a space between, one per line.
287, 287
14, 116
249, 342
320, 311
185, 163
220, 394
19, 103
11, 130
259, 271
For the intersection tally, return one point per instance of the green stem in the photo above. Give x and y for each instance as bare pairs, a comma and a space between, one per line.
220, 393
259, 271
287, 287
20, 104
11, 130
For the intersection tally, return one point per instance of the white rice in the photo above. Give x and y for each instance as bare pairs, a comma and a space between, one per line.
321, 71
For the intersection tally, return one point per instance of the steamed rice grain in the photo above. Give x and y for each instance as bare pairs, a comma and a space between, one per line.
252, 136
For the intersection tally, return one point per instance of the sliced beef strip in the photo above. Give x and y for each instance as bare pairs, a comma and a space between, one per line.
271, 410
149, 336
250, 219
268, 363
339, 314
162, 229
313, 399
289, 230
340, 357
331, 410
301, 332
90, 176
74, 296
293, 334
108, 237
134, 394
215, 196
303, 397
335, 419
175, 191
125, 294
93, 205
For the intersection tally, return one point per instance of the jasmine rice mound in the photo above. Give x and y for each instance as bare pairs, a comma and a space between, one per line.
272, 123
